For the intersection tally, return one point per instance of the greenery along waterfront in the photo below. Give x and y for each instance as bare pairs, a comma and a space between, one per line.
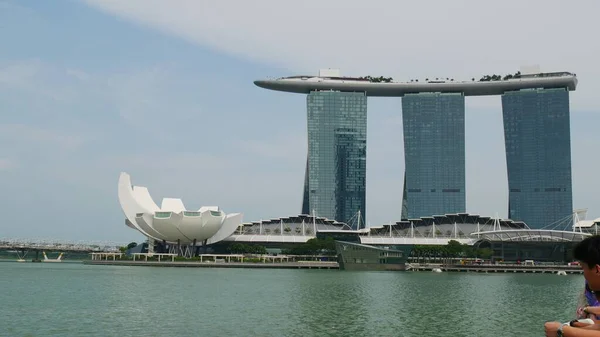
313, 246
453, 249
316, 246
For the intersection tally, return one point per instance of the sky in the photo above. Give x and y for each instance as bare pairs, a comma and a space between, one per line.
164, 90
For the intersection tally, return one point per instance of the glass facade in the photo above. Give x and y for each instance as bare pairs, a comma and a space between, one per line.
334, 185
538, 155
538, 251
162, 215
434, 153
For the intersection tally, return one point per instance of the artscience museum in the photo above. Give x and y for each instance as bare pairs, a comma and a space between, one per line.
172, 223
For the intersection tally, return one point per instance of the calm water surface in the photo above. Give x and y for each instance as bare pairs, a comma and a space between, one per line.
68, 299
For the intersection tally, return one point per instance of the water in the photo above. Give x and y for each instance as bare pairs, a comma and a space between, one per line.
68, 299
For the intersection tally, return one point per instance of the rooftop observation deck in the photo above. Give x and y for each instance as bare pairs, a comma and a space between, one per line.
306, 84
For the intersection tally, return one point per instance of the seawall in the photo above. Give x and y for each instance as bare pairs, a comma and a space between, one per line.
184, 264
497, 268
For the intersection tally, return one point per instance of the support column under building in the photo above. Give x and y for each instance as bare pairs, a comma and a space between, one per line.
537, 136
434, 154
335, 181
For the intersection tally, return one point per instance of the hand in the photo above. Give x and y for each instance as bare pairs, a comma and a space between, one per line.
551, 328
580, 325
592, 310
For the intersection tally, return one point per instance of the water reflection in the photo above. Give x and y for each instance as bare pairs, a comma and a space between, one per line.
75, 300
331, 303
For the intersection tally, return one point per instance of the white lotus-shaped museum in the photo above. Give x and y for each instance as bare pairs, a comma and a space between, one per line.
172, 222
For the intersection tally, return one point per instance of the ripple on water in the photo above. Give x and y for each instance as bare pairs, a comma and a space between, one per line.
74, 300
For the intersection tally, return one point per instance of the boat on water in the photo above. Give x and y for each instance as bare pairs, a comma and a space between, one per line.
356, 256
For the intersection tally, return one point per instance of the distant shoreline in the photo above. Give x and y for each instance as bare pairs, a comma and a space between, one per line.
495, 268
551, 269
428, 267
30, 261
184, 264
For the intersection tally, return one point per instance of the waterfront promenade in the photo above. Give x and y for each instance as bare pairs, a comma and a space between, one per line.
426, 267
194, 264
496, 268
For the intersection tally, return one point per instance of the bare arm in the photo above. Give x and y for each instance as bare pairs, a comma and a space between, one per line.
588, 331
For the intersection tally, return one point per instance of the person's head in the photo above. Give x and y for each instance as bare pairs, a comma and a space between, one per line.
587, 252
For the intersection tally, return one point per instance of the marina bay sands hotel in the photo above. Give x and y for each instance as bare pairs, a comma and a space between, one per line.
535, 108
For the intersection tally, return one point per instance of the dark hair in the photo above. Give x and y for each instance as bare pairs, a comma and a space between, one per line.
588, 251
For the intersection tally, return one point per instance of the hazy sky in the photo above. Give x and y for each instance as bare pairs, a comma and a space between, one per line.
163, 90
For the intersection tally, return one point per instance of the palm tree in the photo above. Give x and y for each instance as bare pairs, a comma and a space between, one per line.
417, 252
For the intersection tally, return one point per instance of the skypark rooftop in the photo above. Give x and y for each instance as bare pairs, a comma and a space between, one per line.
332, 81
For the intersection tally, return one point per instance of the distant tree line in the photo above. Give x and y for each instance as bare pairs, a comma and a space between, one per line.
241, 248
129, 246
314, 246
453, 249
